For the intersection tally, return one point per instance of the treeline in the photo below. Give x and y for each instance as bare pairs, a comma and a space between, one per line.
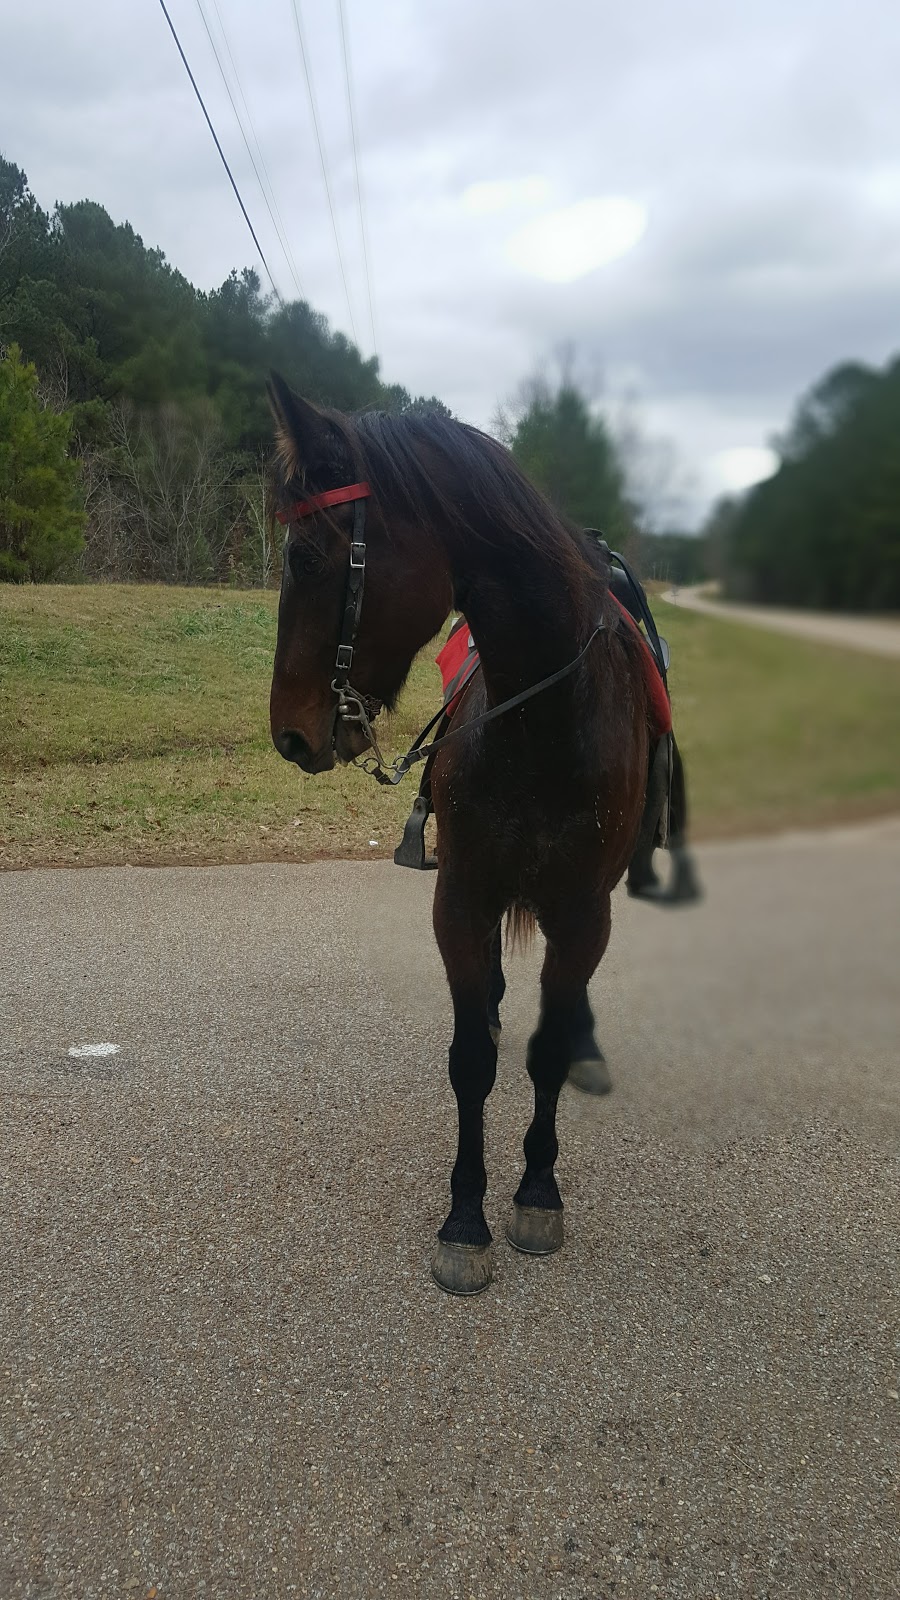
824, 530
160, 392
134, 433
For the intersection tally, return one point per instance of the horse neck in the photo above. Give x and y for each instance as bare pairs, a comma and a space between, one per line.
530, 608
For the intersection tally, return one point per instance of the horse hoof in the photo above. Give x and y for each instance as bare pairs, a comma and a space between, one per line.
462, 1268
534, 1231
494, 1031
591, 1076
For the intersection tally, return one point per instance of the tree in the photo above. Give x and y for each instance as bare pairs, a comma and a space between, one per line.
41, 518
828, 406
137, 356
174, 482
717, 535
569, 453
670, 557
658, 487
825, 529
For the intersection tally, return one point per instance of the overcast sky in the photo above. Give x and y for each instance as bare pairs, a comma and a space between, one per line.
701, 198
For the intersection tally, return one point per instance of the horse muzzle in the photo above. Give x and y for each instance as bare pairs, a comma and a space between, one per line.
294, 747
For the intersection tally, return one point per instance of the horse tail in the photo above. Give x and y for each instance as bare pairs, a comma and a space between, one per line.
521, 927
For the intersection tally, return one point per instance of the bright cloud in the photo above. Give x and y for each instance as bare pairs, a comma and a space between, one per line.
561, 246
742, 466
505, 194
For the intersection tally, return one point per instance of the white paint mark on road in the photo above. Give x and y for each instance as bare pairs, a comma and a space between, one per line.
94, 1049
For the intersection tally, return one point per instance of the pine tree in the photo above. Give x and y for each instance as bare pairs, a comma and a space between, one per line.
824, 530
569, 454
40, 516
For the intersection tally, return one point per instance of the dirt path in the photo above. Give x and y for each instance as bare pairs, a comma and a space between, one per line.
878, 636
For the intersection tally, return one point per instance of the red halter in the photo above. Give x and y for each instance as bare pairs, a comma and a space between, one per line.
318, 502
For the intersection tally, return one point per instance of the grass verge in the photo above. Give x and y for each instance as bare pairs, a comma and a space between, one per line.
133, 728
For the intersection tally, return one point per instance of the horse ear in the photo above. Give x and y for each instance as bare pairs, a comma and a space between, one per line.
302, 433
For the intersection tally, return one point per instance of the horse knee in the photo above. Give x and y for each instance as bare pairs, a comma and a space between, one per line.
473, 1057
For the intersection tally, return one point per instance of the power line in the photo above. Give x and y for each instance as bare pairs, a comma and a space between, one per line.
274, 216
285, 243
315, 116
359, 193
224, 162
277, 225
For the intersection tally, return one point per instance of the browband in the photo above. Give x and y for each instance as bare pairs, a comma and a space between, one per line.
318, 502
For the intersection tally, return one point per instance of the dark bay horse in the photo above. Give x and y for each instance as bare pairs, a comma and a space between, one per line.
538, 810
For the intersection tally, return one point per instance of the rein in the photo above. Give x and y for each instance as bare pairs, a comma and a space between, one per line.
360, 708
418, 751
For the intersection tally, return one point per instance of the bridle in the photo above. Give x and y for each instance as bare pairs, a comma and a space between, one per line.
353, 706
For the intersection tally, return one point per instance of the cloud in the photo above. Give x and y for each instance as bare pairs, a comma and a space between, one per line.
561, 246
505, 194
763, 142
742, 466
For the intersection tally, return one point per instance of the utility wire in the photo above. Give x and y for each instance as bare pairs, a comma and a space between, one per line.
315, 117
275, 216
224, 162
359, 193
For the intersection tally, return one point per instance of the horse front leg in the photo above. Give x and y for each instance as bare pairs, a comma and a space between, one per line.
575, 944
462, 1261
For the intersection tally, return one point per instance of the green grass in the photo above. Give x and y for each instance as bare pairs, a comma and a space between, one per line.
778, 731
134, 727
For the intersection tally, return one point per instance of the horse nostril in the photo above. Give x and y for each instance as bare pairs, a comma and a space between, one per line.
293, 747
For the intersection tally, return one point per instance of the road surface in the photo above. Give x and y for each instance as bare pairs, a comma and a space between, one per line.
224, 1368
879, 636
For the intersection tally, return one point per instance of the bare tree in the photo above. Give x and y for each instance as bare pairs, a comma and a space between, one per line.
111, 551
177, 482
53, 382
658, 485
255, 496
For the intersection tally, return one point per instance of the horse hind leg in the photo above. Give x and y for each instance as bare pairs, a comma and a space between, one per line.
462, 1262
574, 948
497, 987
588, 1070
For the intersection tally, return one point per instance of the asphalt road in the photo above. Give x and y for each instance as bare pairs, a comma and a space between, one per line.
224, 1368
878, 636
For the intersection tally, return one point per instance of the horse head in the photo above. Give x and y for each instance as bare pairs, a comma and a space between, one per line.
361, 591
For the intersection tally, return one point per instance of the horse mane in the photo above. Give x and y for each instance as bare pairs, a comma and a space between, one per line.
483, 495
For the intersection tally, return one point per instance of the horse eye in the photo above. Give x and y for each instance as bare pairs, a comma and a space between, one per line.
306, 559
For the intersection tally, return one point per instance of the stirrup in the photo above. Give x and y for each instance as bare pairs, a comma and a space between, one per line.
410, 852
683, 888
